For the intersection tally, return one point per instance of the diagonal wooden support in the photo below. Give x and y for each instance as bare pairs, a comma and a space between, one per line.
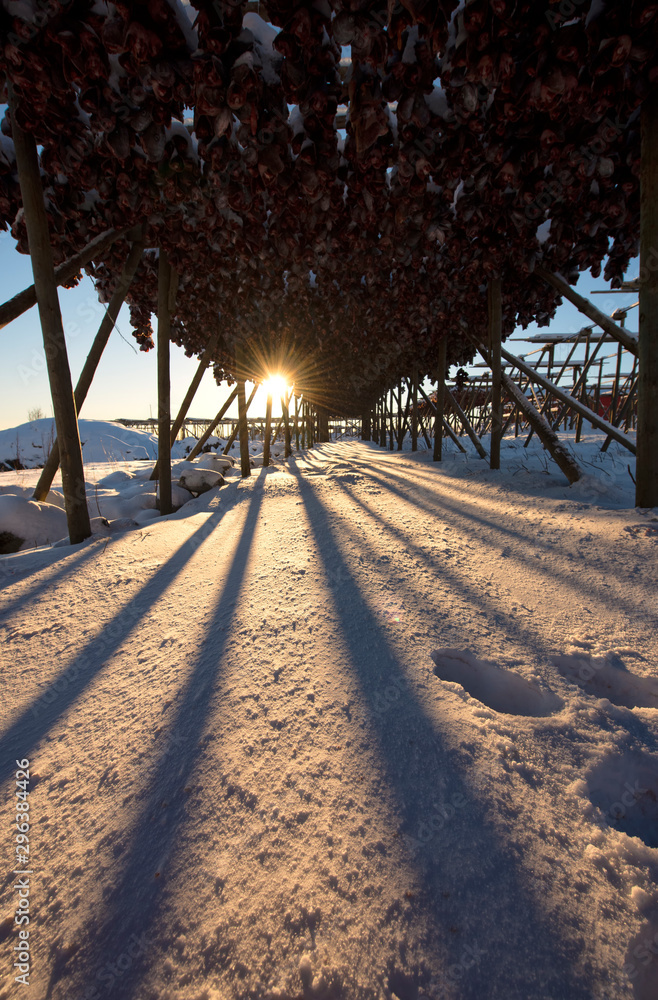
581, 381
468, 427
97, 247
574, 404
204, 363
91, 364
541, 427
236, 429
446, 426
59, 373
208, 431
589, 309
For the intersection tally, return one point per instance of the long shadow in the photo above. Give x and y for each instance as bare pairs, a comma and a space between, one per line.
461, 471
471, 595
133, 904
473, 885
70, 565
614, 600
46, 707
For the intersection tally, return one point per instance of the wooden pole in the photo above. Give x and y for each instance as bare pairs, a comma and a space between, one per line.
59, 374
495, 338
51, 464
164, 385
589, 309
204, 362
287, 448
365, 426
323, 423
383, 421
97, 247
243, 430
468, 427
208, 431
268, 430
574, 404
391, 427
296, 423
541, 426
440, 399
399, 420
236, 429
646, 490
414, 409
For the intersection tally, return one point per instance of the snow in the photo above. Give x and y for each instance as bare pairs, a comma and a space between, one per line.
543, 231
360, 726
102, 440
34, 523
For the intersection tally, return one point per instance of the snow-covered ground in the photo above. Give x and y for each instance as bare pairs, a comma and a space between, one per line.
118, 466
360, 726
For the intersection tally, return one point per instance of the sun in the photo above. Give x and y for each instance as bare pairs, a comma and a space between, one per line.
275, 386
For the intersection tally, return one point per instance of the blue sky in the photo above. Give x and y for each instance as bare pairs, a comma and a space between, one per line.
125, 384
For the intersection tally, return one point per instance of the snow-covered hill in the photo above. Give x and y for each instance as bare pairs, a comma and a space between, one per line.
102, 441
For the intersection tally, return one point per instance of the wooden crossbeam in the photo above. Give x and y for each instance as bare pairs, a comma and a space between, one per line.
54, 342
91, 364
24, 300
573, 404
589, 309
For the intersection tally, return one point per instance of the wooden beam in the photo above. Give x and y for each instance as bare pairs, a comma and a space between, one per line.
495, 338
91, 364
466, 424
646, 476
268, 431
296, 423
287, 448
440, 399
97, 247
574, 404
59, 373
204, 362
462, 416
581, 380
323, 423
208, 431
414, 409
164, 385
243, 430
541, 427
589, 309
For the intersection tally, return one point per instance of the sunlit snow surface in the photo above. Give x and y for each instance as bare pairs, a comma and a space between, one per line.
360, 726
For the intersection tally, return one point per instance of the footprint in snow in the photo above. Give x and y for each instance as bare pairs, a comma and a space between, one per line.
624, 787
608, 677
499, 689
